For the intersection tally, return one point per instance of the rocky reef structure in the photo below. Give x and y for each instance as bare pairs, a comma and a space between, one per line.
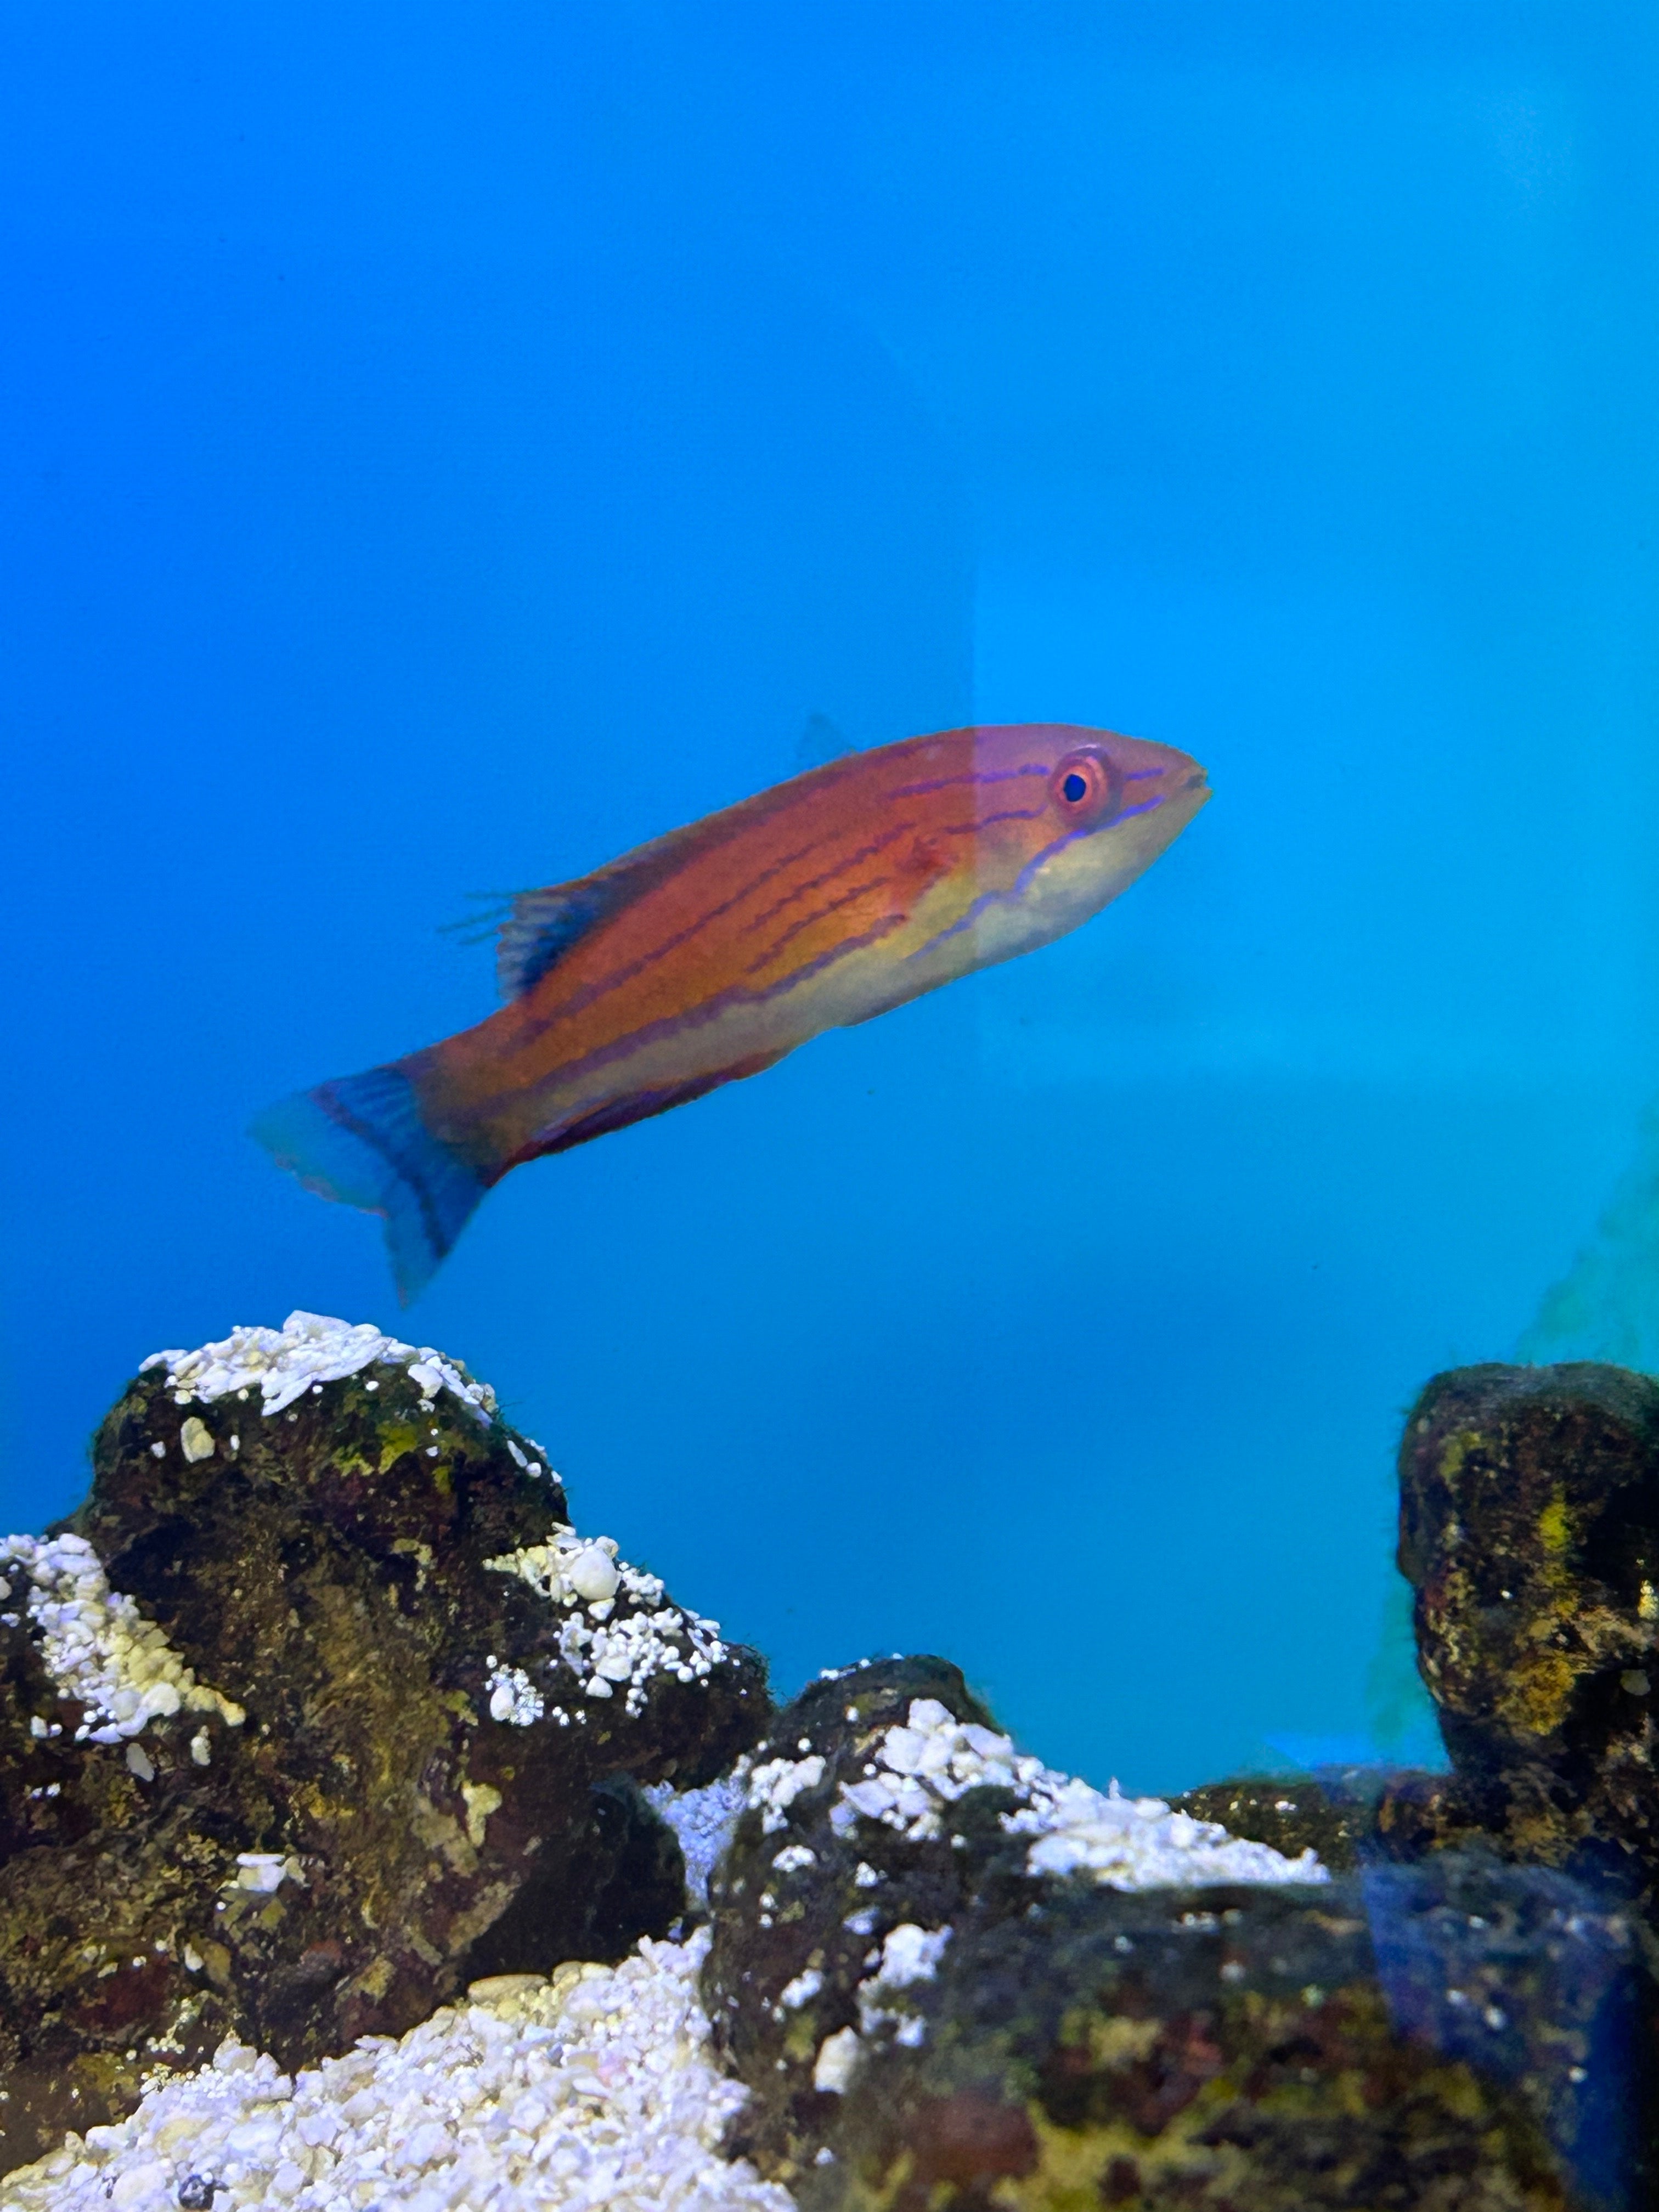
369, 1836
1529, 1532
952, 1979
1529, 1535
366, 1722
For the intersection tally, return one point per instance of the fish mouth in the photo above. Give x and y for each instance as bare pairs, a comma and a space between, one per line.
1174, 775
1182, 791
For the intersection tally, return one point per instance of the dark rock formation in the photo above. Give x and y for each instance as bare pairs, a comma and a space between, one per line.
1292, 1817
1529, 1533
1228, 2046
430, 1781
927, 2024
367, 1721
827, 1915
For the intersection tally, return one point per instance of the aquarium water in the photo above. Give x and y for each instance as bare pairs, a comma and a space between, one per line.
446, 448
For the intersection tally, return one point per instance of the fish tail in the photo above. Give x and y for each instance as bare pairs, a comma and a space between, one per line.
361, 1139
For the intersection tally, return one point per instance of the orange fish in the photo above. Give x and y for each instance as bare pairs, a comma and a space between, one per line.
712, 952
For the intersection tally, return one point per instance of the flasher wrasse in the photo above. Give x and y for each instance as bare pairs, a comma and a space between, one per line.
710, 953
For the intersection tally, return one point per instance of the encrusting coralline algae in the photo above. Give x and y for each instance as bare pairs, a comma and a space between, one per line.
590, 2092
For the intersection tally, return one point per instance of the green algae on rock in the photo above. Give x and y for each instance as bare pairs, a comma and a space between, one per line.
396, 1765
1292, 1817
1346, 1814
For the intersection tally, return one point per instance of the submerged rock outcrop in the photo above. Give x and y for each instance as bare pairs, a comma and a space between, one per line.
322, 1722
1529, 1533
952, 1978
365, 1723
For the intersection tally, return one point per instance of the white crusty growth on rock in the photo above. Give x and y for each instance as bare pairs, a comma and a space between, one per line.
591, 2090
512, 1696
909, 1955
284, 1364
923, 1765
95, 1643
776, 1783
264, 1871
608, 1652
837, 2061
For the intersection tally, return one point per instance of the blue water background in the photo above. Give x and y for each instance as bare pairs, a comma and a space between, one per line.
443, 448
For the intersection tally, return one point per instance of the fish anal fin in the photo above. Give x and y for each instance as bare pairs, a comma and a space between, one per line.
639, 1106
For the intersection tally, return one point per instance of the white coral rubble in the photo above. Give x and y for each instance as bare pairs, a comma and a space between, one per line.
918, 1767
512, 1696
909, 1955
837, 2061
776, 1783
307, 1350
608, 1653
589, 2092
95, 1643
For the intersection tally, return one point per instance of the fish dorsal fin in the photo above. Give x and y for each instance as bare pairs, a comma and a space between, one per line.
821, 742
542, 927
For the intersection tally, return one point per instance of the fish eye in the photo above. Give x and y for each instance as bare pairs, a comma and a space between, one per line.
1082, 785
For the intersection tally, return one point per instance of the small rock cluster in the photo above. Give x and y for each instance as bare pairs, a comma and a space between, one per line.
370, 1837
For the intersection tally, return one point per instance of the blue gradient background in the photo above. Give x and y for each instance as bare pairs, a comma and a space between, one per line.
442, 448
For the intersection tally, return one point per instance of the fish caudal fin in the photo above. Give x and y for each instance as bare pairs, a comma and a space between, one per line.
361, 1140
